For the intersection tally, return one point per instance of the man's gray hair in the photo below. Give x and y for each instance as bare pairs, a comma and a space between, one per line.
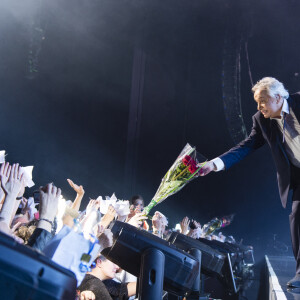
272, 86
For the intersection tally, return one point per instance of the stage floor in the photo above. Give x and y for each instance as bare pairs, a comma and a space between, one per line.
280, 270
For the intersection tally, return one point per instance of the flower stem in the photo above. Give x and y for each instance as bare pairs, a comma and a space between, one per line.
184, 170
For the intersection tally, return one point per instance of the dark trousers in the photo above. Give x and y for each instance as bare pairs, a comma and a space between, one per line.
295, 216
295, 228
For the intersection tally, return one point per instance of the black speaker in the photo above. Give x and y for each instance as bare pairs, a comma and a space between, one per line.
224, 248
29, 275
180, 269
214, 263
212, 260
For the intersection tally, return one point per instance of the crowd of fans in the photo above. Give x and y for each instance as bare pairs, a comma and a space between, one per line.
35, 222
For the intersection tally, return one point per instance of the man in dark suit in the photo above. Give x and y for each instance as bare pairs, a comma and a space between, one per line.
277, 123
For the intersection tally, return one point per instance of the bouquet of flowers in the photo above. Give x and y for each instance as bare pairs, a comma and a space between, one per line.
183, 170
216, 224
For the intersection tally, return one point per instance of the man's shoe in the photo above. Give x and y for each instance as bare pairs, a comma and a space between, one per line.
295, 282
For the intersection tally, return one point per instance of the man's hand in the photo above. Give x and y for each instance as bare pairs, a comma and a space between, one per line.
207, 168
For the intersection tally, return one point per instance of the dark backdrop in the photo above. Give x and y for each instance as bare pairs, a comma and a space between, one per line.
107, 93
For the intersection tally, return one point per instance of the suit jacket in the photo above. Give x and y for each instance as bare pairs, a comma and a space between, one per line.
266, 131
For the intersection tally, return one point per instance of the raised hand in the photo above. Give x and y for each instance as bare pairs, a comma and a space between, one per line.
184, 224
137, 219
157, 223
197, 224
49, 196
108, 217
89, 222
133, 211
11, 179
80, 193
77, 188
5, 171
93, 205
195, 233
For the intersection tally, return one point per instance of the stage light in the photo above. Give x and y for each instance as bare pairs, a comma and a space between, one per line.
28, 274
132, 245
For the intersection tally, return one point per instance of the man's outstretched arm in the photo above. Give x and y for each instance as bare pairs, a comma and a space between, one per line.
254, 141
